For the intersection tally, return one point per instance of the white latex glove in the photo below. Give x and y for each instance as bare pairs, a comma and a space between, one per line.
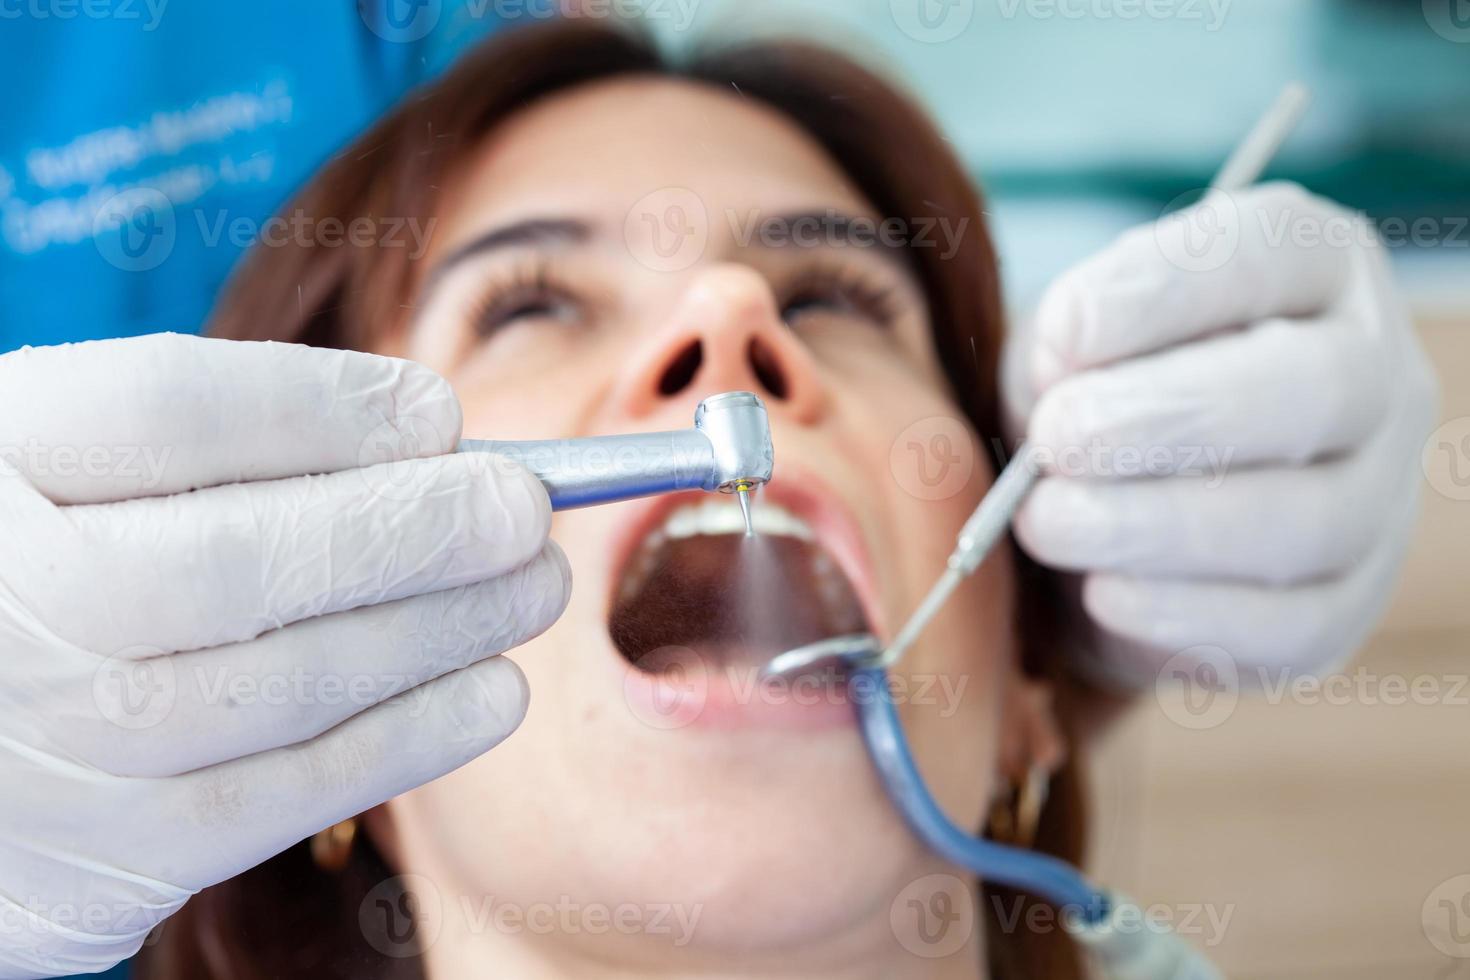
192, 680
1277, 381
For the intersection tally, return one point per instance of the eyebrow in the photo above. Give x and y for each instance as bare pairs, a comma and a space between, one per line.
532, 233
834, 229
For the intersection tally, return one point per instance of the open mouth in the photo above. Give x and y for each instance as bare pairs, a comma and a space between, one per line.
695, 582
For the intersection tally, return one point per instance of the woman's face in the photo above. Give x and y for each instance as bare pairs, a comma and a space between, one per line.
610, 257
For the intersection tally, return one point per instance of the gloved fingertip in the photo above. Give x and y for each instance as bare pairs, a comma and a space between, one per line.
1064, 526
421, 393
1061, 421
518, 507
1054, 326
1116, 603
564, 571
497, 691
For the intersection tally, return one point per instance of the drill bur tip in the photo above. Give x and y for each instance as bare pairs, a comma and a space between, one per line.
743, 490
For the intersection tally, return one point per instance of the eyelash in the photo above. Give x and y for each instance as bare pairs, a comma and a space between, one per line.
524, 293
845, 290
533, 291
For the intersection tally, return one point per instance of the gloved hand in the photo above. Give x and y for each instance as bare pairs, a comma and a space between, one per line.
1234, 411
207, 655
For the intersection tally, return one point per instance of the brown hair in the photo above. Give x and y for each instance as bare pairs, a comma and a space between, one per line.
287, 918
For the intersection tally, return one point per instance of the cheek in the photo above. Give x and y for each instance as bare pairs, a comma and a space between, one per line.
950, 684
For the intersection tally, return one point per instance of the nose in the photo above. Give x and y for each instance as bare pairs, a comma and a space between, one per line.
726, 334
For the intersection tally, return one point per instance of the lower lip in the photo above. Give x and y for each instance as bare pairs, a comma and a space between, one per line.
699, 693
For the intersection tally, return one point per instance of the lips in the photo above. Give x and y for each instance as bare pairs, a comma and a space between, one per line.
691, 581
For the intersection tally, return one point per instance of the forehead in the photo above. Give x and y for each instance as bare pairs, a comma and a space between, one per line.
600, 149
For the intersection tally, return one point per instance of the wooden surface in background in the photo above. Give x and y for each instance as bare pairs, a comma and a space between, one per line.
1320, 828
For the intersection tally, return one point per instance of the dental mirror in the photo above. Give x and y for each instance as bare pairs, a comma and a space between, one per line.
832, 653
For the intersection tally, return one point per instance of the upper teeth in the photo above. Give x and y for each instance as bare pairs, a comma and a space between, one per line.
721, 515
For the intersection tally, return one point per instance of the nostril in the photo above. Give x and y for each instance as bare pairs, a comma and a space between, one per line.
767, 368
681, 371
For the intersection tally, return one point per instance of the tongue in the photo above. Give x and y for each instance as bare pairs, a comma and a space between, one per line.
734, 600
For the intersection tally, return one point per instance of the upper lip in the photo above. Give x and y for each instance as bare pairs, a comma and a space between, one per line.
803, 494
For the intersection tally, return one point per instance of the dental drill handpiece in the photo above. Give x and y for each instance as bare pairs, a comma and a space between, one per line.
727, 451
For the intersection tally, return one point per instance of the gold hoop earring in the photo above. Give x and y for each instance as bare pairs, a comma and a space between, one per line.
331, 848
1016, 815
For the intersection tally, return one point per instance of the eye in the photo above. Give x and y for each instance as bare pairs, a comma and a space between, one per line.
527, 295
843, 293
